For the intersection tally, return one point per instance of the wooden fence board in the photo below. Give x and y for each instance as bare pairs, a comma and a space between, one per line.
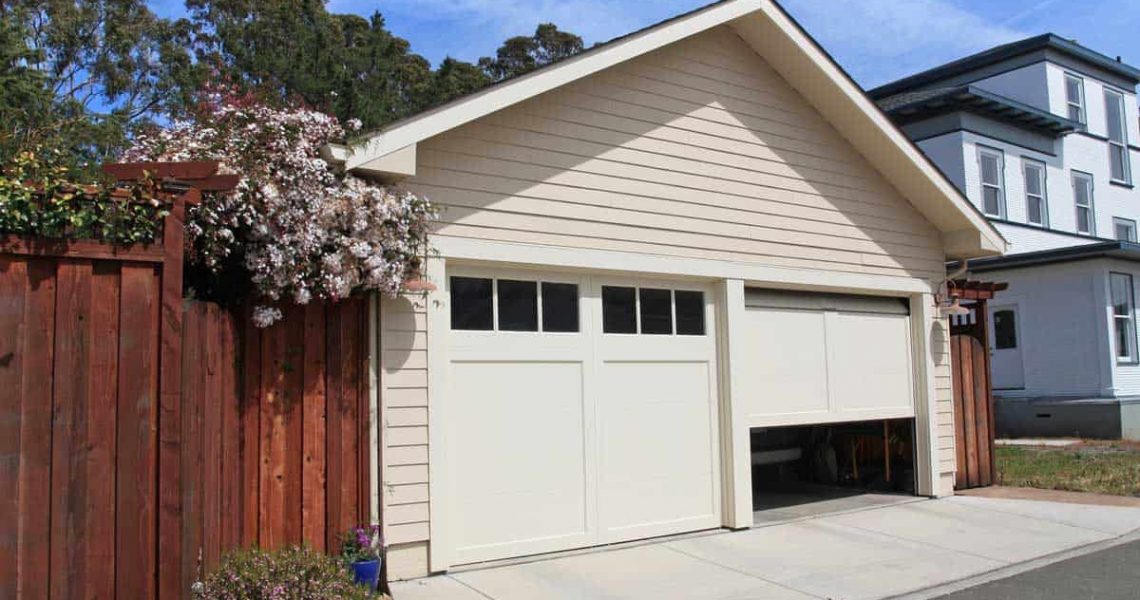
36, 427
69, 482
293, 393
313, 485
250, 431
136, 479
13, 277
99, 445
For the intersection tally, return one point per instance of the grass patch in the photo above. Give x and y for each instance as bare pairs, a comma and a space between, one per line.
1091, 466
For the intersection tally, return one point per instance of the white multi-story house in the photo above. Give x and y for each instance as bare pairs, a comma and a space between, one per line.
1041, 135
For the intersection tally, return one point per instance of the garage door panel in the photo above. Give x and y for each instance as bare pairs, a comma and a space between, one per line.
816, 358
519, 469
562, 439
656, 433
870, 363
787, 362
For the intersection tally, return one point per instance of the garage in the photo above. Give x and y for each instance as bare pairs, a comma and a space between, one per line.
583, 411
830, 401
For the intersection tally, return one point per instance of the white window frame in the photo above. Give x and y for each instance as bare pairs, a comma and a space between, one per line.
1128, 321
1080, 176
1079, 103
1122, 222
1026, 163
1112, 96
984, 151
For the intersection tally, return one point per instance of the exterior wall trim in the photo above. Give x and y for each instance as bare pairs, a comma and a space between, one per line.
508, 253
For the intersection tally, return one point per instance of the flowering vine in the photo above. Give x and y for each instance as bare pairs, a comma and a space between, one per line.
299, 230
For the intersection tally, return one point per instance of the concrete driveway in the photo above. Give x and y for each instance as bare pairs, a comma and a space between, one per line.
873, 553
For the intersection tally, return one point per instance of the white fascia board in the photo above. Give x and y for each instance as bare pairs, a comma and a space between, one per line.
809, 70
498, 97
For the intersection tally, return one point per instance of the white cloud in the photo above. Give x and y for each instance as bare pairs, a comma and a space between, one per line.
881, 40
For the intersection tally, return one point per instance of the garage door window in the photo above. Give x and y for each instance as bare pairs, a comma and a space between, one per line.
472, 304
559, 307
528, 306
518, 305
655, 310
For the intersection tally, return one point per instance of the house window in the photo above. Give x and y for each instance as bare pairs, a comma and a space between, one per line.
1083, 198
652, 311
1005, 330
1125, 229
1036, 211
1075, 97
1123, 318
1118, 162
485, 304
991, 165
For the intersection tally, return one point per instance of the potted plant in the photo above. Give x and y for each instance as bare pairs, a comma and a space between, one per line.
361, 548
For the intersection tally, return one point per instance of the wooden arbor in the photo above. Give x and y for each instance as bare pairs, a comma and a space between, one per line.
973, 396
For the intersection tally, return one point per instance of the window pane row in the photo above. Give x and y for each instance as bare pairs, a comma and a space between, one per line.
652, 311
473, 305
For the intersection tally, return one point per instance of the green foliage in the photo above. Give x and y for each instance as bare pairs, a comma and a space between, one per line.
88, 73
86, 76
519, 55
36, 199
298, 573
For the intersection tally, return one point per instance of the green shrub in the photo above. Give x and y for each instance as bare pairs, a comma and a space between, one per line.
298, 573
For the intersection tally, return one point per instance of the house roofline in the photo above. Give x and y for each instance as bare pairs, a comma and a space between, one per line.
974, 99
1004, 52
1129, 251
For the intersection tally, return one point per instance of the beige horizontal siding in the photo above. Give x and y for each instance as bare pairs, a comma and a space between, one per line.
403, 382
697, 150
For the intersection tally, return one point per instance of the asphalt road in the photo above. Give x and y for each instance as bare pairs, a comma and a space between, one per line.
1112, 574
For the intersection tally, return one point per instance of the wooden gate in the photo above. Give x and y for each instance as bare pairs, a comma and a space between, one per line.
973, 397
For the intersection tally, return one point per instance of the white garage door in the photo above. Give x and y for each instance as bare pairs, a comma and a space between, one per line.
581, 411
819, 358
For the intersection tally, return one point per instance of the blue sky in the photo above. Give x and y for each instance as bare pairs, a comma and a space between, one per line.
875, 40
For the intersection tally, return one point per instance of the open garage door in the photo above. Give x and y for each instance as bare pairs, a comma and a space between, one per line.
582, 411
825, 358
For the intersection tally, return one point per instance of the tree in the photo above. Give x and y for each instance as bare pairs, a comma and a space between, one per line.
454, 78
522, 54
24, 99
104, 66
348, 65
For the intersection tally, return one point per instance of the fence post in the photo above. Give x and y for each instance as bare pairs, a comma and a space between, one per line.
170, 583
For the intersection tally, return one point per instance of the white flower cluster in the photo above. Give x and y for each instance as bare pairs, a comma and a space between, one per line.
302, 231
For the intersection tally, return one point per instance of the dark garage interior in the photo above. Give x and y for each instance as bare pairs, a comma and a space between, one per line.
808, 470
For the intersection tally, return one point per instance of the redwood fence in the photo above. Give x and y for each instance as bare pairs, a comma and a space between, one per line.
142, 435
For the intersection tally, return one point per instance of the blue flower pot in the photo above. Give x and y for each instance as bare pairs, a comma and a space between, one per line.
367, 573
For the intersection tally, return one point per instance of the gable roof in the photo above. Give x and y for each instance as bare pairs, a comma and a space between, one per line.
772, 34
997, 54
908, 107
